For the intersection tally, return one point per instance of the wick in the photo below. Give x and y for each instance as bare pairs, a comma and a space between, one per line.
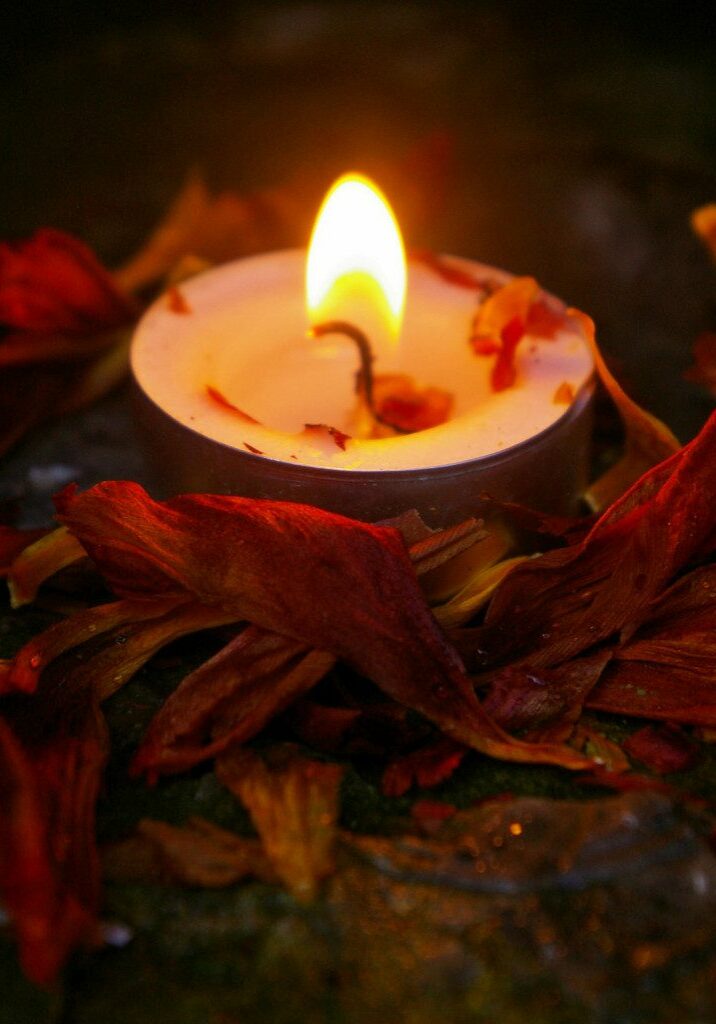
365, 373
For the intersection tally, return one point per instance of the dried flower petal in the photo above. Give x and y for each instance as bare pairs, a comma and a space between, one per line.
291, 578
224, 402
27, 665
665, 669
293, 803
704, 369
196, 854
544, 703
518, 308
663, 748
52, 283
648, 440
564, 394
550, 609
49, 873
452, 272
229, 699
337, 435
400, 403
703, 221
13, 542
39, 561
427, 767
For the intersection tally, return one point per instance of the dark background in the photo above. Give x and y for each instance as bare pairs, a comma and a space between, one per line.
583, 137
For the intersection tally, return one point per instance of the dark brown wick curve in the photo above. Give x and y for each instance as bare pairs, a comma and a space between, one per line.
365, 374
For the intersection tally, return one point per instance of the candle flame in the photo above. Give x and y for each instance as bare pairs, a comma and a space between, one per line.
356, 267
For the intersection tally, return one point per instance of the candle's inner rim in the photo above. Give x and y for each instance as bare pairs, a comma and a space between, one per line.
246, 338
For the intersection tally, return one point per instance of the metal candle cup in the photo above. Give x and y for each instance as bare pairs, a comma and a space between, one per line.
238, 327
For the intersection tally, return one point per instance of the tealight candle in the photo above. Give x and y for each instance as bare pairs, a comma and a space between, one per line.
229, 377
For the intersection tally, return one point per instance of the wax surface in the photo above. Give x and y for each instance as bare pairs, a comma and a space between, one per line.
244, 336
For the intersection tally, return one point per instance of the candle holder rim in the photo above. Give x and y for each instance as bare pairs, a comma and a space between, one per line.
281, 466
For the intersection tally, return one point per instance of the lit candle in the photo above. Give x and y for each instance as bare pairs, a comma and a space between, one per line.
229, 377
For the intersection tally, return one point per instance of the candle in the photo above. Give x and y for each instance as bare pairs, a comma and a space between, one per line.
228, 378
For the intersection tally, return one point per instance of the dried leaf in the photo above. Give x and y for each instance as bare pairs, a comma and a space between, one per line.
293, 803
474, 595
648, 441
431, 553
214, 228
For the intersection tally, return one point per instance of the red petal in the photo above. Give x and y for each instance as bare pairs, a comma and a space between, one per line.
49, 871
666, 670
228, 699
286, 567
13, 542
53, 283
428, 766
663, 748
550, 609
545, 703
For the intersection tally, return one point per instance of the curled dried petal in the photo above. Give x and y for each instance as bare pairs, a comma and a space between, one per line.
25, 668
39, 561
293, 803
648, 440
52, 283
